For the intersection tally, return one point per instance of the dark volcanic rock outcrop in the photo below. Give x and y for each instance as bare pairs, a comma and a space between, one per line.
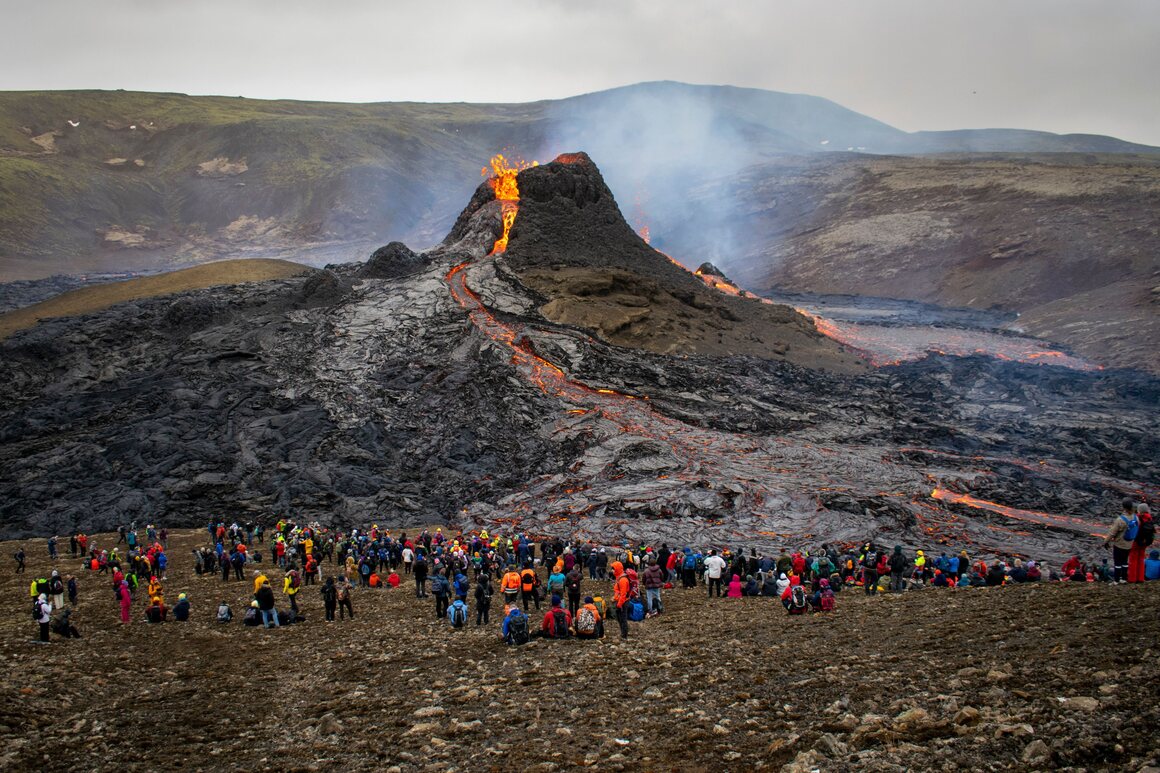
462, 391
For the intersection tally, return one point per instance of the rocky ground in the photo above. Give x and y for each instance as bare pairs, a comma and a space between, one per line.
1019, 678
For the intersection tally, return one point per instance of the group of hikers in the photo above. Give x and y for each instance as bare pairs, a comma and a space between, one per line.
465, 570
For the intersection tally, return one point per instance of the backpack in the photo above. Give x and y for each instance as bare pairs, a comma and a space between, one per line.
56, 586
827, 600
37, 611
1133, 528
585, 621
343, 593
1146, 534
797, 597
518, 628
636, 611
560, 625
295, 581
224, 614
458, 614
598, 602
690, 562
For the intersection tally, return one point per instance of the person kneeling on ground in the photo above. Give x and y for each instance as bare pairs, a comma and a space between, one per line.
589, 622
224, 613
252, 617
557, 623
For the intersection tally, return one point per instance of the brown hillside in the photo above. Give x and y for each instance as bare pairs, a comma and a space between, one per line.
87, 300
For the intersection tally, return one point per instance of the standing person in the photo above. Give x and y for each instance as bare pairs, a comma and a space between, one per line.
510, 585
572, 585
530, 585
408, 559
265, 599
329, 599
56, 589
19, 556
441, 589
52, 550
42, 610
125, 598
344, 591
654, 580
482, 599
620, 596
714, 568
1143, 539
291, 583
898, 567
1121, 537
420, 570
870, 570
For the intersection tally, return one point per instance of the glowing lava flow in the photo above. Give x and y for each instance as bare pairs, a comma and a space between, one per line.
1033, 516
507, 193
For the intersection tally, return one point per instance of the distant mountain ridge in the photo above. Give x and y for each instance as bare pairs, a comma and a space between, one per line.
91, 180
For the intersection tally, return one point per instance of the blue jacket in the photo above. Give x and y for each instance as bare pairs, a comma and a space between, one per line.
505, 629
1152, 566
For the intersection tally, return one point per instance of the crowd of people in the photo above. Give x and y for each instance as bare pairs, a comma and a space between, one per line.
464, 570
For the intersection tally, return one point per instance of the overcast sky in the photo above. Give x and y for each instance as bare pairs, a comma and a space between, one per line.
1057, 65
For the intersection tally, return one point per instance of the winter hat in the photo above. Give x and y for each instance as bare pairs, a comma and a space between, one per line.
42, 597
588, 599
556, 599
181, 597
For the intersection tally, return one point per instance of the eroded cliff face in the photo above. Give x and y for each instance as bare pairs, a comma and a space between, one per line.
450, 391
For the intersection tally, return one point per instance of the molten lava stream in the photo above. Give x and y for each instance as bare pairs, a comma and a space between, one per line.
1068, 522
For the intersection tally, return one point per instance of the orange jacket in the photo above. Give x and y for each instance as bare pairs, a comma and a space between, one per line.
620, 591
530, 579
511, 581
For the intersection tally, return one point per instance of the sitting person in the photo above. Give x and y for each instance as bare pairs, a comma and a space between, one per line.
734, 588
557, 623
393, 579
224, 613
940, 579
253, 616
1033, 572
823, 598
63, 626
515, 626
181, 609
750, 588
794, 600
156, 611
589, 622
1152, 566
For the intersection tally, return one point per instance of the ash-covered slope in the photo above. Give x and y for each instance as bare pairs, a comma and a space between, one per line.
432, 387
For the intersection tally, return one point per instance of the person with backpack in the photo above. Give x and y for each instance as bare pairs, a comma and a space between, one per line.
56, 589
441, 590
529, 586
1145, 536
795, 600
420, 571
1121, 537
572, 582
515, 626
329, 598
462, 586
557, 623
291, 584
224, 613
824, 599
483, 600
458, 613
870, 570
42, 615
589, 623
265, 599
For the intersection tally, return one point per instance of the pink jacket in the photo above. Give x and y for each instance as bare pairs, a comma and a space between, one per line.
734, 588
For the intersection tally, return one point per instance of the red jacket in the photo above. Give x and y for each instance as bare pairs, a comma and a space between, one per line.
549, 624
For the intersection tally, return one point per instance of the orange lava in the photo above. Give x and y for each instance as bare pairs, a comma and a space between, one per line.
507, 192
1068, 522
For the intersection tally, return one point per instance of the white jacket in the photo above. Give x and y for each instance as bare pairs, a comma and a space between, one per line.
714, 566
